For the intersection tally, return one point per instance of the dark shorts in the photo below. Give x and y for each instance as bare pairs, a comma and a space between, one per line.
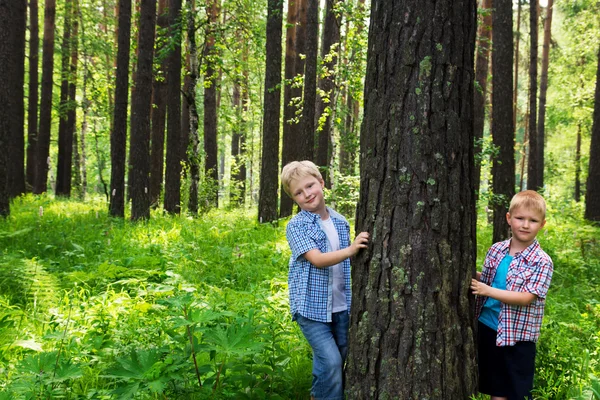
505, 371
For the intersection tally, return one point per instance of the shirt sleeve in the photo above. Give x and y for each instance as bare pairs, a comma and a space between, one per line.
539, 283
302, 238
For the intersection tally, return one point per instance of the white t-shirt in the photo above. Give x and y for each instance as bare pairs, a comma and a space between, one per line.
339, 292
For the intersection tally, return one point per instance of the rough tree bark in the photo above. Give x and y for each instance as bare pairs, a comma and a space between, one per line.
269, 173
533, 163
592, 194
412, 322
503, 166
307, 139
118, 136
32, 109
43, 142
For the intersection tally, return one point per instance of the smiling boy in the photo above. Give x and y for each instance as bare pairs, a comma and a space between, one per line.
319, 275
511, 292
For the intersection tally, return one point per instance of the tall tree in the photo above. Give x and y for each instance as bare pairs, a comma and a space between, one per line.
159, 109
326, 100
210, 99
541, 121
294, 71
33, 98
411, 287
309, 98
484, 41
533, 165
43, 142
118, 136
65, 134
173, 162
16, 162
141, 102
503, 167
592, 194
269, 173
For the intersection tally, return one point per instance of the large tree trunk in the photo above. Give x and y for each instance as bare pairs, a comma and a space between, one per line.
211, 169
294, 69
141, 102
16, 162
269, 173
307, 139
65, 135
33, 97
541, 124
412, 321
592, 195
533, 164
327, 98
190, 96
503, 167
484, 42
158, 113
43, 142
118, 137
173, 163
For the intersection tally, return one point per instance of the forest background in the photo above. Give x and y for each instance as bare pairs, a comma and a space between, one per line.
191, 300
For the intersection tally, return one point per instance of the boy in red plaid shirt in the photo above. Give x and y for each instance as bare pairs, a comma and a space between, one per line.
511, 292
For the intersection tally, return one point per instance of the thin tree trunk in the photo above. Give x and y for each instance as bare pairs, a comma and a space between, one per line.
190, 96
118, 137
412, 323
578, 165
592, 194
173, 163
43, 143
269, 173
541, 124
516, 81
141, 103
534, 163
327, 98
32, 113
159, 111
503, 167
307, 140
484, 36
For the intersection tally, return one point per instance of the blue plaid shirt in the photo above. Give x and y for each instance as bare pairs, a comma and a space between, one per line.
311, 290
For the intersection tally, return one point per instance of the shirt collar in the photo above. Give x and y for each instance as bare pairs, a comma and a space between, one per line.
314, 218
526, 254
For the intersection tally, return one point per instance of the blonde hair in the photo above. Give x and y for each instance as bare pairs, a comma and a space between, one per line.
298, 170
529, 199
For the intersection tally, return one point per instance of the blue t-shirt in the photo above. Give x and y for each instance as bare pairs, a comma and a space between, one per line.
491, 307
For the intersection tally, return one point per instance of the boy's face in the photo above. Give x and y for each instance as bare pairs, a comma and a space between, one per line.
525, 224
307, 192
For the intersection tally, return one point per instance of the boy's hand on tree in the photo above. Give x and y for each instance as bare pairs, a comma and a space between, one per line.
361, 241
479, 288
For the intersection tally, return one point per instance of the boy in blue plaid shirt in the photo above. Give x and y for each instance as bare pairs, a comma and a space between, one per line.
319, 275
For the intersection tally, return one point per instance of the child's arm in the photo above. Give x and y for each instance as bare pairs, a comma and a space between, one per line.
324, 260
505, 296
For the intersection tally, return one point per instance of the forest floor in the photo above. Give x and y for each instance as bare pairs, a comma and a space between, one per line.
94, 307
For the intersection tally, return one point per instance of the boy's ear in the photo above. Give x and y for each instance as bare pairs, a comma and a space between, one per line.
508, 218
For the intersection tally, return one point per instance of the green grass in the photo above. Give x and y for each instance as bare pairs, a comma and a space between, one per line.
93, 307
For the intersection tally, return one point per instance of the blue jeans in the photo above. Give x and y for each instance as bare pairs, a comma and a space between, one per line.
329, 342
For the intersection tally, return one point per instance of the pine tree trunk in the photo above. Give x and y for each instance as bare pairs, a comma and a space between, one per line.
118, 136
307, 140
578, 165
533, 165
541, 124
43, 142
592, 194
269, 173
33, 97
503, 167
484, 37
141, 103
412, 320
173, 162
16, 162
211, 167
158, 113
327, 98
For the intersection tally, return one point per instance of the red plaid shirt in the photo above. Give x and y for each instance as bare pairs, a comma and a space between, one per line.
530, 271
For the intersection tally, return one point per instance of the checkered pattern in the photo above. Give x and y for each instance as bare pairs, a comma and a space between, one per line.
530, 271
311, 293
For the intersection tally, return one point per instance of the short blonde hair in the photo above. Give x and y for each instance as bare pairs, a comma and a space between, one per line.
298, 170
529, 199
